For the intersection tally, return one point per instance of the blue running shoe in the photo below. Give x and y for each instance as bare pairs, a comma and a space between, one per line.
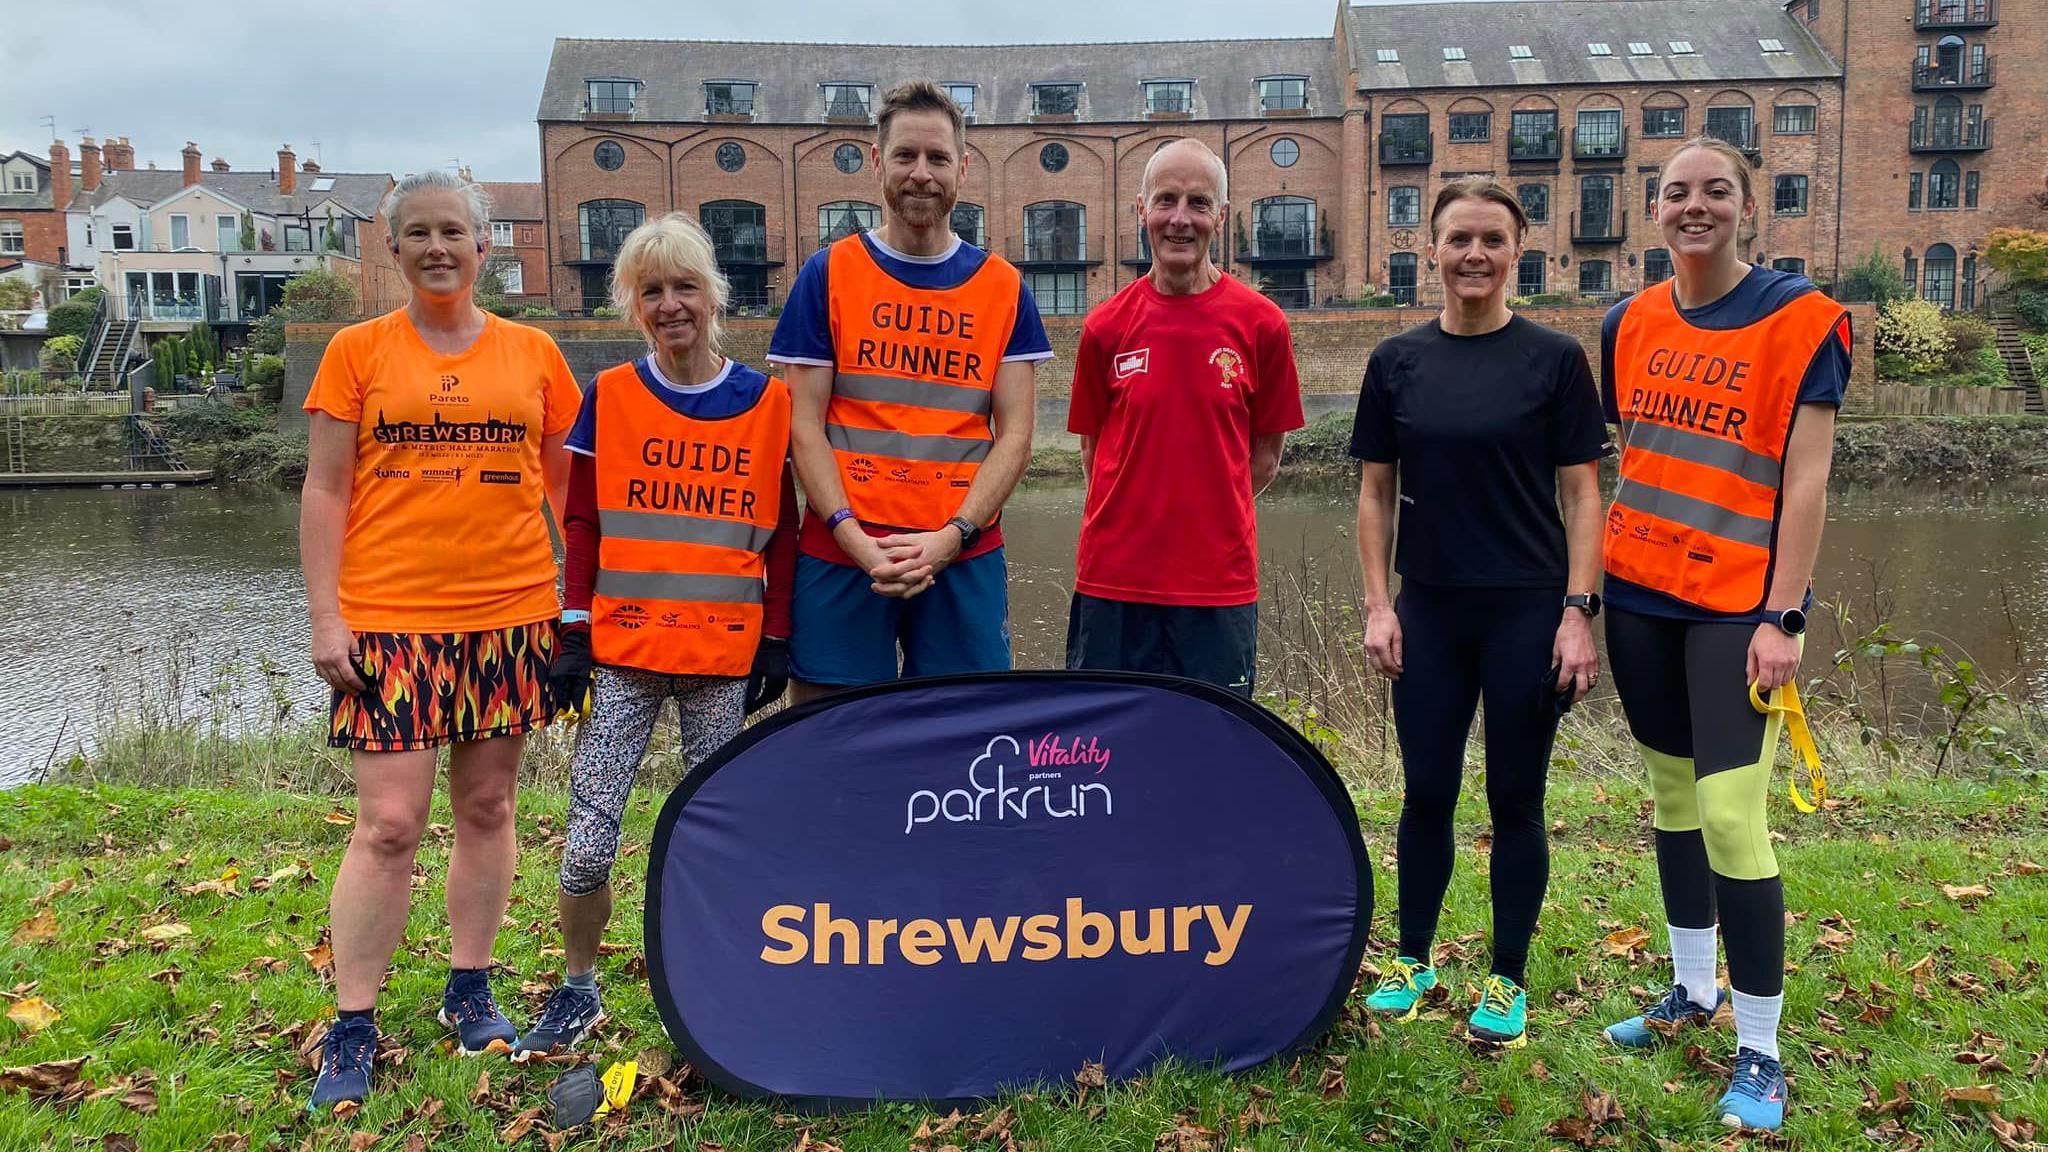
345, 1058
1675, 1011
1756, 1096
1400, 992
567, 1018
468, 1007
1503, 1014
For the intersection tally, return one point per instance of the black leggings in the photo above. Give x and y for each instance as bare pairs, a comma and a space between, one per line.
1684, 687
1457, 645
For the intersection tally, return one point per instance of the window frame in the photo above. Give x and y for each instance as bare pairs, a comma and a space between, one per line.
1286, 221
618, 230
1614, 142
1542, 267
952, 91
1953, 185
1973, 189
1410, 219
980, 237
1184, 89
834, 94
733, 108
1664, 109
1811, 113
1486, 130
227, 239
859, 210
1059, 291
1607, 277
13, 237
1040, 88
1913, 192
1282, 98
180, 221
1410, 292
115, 234
1273, 153
1041, 217
1789, 181
508, 234
611, 99
1663, 263
1528, 203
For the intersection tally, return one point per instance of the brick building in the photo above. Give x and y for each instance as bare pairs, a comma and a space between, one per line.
519, 251
33, 192
1334, 145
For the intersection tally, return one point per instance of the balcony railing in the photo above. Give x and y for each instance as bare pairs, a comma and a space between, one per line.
1599, 145
1951, 137
1544, 147
1940, 15
1745, 137
1959, 78
1286, 247
602, 247
1055, 249
748, 246
1600, 229
163, 308
811, 243
1399, 148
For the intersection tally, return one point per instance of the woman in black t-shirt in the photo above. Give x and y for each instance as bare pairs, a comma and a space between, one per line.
1482, 417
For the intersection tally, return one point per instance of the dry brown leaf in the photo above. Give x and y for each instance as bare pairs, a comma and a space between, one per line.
483, 1087
49, 1078
117, 1142
1602, 1107
1986, 1094
997, 1125
33, 1014
162, 932
347, 1109
320, 956
520, 1126
1963, 893
362, 1141
2028, 868
339, 817
37, 928
1625, 942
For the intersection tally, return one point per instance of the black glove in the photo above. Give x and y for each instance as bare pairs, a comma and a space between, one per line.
569, 675
770, 677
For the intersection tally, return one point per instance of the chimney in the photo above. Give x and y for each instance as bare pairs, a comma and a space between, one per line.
89, 165
191, 155
60, 175
310, 166
287, 174
220, 164
119, 155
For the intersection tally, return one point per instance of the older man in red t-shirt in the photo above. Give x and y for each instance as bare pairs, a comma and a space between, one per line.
1183, 391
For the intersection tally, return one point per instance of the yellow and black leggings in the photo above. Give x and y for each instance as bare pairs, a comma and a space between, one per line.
1684, 687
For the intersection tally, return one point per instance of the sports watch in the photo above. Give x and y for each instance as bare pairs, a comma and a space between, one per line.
1792, 622
969, 531
1587, 602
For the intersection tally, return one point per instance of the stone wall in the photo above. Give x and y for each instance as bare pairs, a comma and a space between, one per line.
1329, 348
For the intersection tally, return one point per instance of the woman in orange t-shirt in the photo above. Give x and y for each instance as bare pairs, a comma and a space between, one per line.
435, 433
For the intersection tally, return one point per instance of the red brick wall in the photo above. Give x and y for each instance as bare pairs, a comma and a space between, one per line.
42, 235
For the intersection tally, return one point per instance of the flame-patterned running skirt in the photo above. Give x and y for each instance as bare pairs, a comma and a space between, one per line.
427, 689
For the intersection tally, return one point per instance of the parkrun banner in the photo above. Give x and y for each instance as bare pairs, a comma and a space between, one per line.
938, 889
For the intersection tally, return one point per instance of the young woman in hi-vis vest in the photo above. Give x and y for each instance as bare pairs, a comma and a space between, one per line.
1724, 382
680, 537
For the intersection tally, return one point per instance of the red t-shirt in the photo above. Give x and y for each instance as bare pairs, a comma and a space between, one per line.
1173, 388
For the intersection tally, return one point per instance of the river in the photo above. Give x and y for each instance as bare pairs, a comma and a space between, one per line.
186, 603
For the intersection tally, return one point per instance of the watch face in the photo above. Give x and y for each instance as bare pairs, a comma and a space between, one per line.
1793, 621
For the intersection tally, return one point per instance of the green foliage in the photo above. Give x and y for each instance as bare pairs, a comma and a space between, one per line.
1875, 279
2031, 306
1378, 300
59, 355
16, 295
265, 377
205, 343
1916, 331
1970, 335
74, 316
2020, 255
215, 422
1544, 299
318, 296
248, 236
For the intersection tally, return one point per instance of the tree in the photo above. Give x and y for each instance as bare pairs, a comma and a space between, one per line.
314, 297
1916, 331
59, 356
248, 237
74, 316
1873, 279
2018, 255
489, 292
15, 295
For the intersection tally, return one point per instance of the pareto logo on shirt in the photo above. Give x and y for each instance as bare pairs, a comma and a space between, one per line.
990, 777
1229, 366
1133, 362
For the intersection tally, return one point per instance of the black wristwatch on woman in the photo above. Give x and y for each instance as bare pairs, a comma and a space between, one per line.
1587, 602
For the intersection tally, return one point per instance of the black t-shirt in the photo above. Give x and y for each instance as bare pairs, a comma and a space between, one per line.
1477, 427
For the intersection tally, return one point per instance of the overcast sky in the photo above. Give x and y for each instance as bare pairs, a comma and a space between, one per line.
401, 85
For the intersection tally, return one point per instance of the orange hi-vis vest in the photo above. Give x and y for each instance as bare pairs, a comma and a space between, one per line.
1705, 416
912, 387
685, 512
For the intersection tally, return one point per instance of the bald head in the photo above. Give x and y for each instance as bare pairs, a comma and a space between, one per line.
1186, 154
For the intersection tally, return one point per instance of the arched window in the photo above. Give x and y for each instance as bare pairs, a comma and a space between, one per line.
1055, 232
1284, 227
968, 224
1948, 122
843, 218
1656, 266
602, 226
1596, 277
1944, 185
738, 228
1401, 277
1948, 59
1529, 274
1938, 269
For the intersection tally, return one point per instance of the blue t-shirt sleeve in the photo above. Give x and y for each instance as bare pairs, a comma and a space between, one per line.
803, 334
1827, 378
583, 433
1028, 340
1610, 390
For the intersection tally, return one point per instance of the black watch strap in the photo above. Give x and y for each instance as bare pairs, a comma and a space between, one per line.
969, 531
1587, 602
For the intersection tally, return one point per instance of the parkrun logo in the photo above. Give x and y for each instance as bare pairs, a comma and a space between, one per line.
988, 778
446, 431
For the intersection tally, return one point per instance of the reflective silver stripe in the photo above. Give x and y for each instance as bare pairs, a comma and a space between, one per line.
903, 446
674, 528
918, 393
691, 586
1704, 515
1712, 451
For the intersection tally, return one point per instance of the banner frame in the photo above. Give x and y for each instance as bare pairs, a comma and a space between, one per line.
1306, 756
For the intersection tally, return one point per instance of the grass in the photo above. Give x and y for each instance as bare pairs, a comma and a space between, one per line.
206, 1027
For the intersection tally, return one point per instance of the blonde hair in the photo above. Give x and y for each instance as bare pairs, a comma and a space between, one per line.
1745, 232
663, 247
1479, 188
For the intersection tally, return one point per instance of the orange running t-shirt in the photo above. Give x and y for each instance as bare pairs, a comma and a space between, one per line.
445, 530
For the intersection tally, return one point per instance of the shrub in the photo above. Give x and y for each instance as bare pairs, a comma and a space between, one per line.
74, 316
1917, 331
16, 295
318, 296
1381, 300
1969, 334
1892, 367
266, 379
2032, 307
1874, 279
59, 356
2021, 256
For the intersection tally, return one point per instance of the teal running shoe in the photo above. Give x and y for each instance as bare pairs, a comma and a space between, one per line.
1400, 991
1756, 1095
1503, 1014
1676, 1010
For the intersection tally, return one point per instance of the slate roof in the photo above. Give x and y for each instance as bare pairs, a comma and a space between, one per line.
516, 201
789, 76
1724, 35
256, 191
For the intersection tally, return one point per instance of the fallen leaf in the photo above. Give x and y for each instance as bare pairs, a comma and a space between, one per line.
520, 1126
320, 956
33, 1014
1963, 893
37, 928
1625, 942
339, 817
347, 1108
1986, 1094
362, 1142
998, 1125
163, 932
2028, 868
49, 1078
656, 1062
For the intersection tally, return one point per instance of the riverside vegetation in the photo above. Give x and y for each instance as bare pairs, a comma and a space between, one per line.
169, 971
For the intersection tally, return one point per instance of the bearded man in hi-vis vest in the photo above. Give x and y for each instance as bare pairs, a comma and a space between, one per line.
910, 357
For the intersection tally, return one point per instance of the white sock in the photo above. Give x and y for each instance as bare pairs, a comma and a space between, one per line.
1692, 962
1756, 1022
